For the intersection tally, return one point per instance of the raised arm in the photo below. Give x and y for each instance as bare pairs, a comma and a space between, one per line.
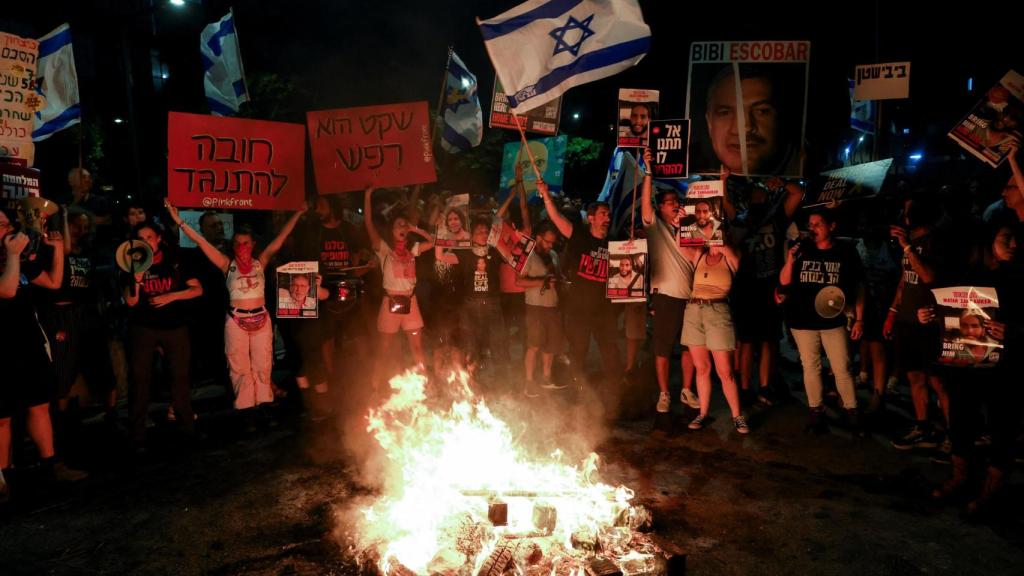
412, 212
424, 246
275, 246
371, 228
560, 221
647, 213
794, 195
786, 274
216, 257
51, 279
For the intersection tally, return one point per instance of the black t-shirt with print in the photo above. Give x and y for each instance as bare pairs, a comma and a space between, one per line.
168, 275
814, 269
334, 248
762, 242
916, 293
586, 266
79, 285
480, 269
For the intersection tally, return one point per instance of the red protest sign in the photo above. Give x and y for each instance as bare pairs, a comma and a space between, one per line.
387, 145
215, 162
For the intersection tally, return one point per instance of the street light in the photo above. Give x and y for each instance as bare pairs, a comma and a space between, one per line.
178, 3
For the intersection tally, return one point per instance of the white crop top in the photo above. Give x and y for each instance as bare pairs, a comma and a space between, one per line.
245, 286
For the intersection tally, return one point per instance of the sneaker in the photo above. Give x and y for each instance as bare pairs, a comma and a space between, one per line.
892, 384
530, 391
740, 423
698, 422
550, 385
61, 473
816, 421
944, 453
983, 440
663, 402
863, 379
918, 437
853, 421
689, 398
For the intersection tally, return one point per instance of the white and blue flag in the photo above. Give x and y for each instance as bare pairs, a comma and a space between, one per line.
224, 79
541, 48
57, 82
462, 117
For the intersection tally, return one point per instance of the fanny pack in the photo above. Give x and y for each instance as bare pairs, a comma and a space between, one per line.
399, 304
250, 323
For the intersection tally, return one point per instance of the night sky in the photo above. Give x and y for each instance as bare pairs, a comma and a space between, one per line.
337, 53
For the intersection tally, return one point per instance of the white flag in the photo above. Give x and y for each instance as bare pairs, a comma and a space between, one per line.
57, 82
541, 48
224, 79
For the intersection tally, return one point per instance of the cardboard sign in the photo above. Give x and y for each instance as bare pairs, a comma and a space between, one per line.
882, 81
636, 110
991, 126
963, 311
383, 146
232, 163
453, 223
513, 246
670, 141
627, 272
550, 156
541, 120
193, 218
17, 183
297, 290
708, 192
748, 104
18, 99
858, 181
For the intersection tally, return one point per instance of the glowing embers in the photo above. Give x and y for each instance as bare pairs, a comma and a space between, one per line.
461, 497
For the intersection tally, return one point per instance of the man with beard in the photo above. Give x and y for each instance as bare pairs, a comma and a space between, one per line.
587, 311
543, 324
623, 281
671, 284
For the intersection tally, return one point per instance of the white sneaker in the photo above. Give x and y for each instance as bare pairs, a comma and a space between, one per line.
663, 402
689, 398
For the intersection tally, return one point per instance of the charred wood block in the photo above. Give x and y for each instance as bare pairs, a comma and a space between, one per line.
497, 513
584, 539
500, 559
599, 566
545, 517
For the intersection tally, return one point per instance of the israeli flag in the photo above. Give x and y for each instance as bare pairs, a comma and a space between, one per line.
57, 82
224, 79
463, 120
541, 48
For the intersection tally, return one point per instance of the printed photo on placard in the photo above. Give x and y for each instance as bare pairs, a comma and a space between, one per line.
550, 156
513, 246
701, 223
217, 227
636, 110
627, 274
453, 223
963, 311
995, 122
297, 290
670, 144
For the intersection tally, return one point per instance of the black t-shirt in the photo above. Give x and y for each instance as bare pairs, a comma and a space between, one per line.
480, 273
762, 240
838, 266
586, 266
916, 293
168, 275
334, 248
18, 313
79, 285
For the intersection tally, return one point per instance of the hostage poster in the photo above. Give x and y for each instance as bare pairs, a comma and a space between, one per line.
297, 290
636, 110
963, 312
453, 223
541, 120
670, 141
754, 126
992, 125
627, 274
513, 246
550, 156
701, 222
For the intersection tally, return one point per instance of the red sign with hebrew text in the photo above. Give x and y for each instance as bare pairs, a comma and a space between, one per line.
387, 145
234, 163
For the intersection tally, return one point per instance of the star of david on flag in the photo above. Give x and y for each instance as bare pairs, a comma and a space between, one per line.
463, 122
541, 48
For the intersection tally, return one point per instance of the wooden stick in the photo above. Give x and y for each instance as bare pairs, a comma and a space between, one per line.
522, 135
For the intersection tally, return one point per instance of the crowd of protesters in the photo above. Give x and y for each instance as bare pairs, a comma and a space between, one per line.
207, 314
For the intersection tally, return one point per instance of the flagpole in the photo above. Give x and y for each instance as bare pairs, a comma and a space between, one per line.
440, 98
238, 43
522, 135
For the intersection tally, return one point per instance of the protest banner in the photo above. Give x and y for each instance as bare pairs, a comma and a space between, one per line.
766, 137
702, 205
991, 126
513, 246
453, 223
627, 274
17, 182
636, 110
234, 163
19, 100
670, 144
851, 182
297, 290
963, 310
881, 81
550, 156
540, 120
382, 146
194, 219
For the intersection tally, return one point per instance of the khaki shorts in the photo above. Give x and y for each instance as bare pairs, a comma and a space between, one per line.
709, 325
390, 323
544, 329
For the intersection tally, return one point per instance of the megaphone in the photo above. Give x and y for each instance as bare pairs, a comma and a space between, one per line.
830, 302
34, 210
134, 256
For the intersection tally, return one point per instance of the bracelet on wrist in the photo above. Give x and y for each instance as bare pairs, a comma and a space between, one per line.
893, 310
